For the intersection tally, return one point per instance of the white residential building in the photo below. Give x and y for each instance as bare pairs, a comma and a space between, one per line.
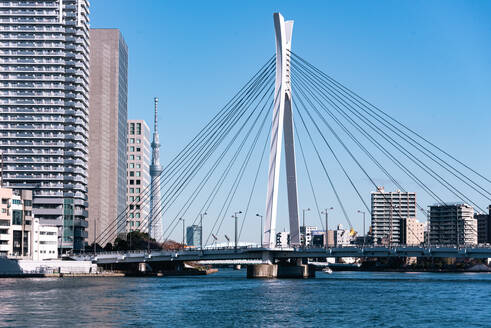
306, 235
342, 236
44, 241
388, 210
283, 239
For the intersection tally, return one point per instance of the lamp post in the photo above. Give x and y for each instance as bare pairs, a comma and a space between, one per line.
304, 228
325, 212
364, 233
183, 232
259, 215
235, 216
201, 230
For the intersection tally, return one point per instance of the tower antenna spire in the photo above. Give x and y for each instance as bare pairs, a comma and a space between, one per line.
155, 226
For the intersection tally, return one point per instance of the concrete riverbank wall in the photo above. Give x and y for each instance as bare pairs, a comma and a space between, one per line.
14, 267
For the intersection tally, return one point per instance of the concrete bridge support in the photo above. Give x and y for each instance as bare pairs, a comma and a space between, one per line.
280, 270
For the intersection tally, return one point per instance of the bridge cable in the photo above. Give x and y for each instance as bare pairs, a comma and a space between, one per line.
178, 158
362, 105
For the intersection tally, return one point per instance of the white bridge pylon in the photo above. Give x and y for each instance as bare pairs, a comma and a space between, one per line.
282, 127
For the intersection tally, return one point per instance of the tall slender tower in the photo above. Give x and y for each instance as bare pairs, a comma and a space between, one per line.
155, 226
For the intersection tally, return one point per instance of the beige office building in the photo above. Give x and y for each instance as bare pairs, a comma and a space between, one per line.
108, 114
138, 175
412, 232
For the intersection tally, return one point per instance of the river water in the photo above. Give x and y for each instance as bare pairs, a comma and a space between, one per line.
228, 299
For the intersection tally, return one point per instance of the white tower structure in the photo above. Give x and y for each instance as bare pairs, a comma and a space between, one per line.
155, 224
282, 127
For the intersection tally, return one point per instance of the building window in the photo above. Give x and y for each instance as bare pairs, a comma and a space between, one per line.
27, 203
138, 173
132, 140
132, 165
17, 217
132, 148
132, 190
132, 173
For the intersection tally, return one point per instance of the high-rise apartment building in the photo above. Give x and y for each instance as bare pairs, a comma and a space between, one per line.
138, 175
193, 235
388, 209
108, 117
44, 88
452, 224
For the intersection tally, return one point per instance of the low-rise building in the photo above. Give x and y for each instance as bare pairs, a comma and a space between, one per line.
15, 222
44, 241
452, 224
412, 232
342, 236
306, 235
283, 239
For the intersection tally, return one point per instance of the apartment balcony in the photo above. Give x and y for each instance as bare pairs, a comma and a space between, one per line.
39, 200
48, 211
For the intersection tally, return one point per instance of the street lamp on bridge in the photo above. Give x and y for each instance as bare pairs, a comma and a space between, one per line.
325, 212
364, 233
201, 229
183, 232
259, 215
304, 228
236, 216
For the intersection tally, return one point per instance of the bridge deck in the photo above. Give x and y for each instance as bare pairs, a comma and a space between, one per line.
260, 253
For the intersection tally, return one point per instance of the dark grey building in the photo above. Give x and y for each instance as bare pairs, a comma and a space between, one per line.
452, 224
484, 227
44, 88
108, 131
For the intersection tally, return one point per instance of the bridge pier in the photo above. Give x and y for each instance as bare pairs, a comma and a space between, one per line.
280, 270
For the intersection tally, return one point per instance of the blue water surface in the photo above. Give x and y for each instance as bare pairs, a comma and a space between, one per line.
228, 299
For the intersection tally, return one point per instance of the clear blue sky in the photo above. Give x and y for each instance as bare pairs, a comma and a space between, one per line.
426, 63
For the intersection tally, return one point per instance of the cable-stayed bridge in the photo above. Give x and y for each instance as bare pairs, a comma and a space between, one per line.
288, 112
